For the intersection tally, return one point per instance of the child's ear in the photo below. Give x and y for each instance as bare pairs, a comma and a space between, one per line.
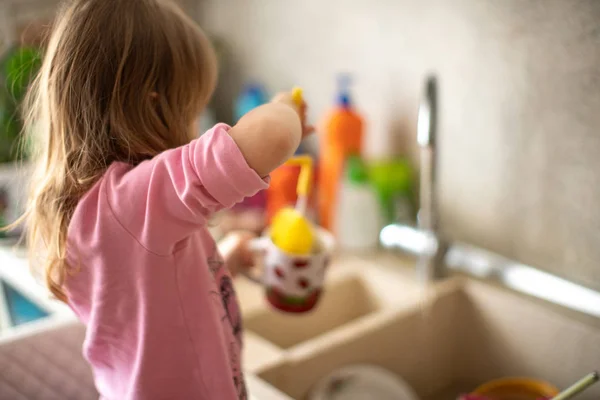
153, 95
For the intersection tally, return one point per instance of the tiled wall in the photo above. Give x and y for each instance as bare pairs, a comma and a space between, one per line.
520, 103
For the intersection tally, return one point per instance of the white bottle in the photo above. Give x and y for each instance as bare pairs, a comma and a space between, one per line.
358, 218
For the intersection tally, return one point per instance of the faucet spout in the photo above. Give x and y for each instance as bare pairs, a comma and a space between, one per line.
427, 140
423, 241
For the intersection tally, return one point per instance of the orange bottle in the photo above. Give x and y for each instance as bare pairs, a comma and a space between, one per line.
282, 191
342, 137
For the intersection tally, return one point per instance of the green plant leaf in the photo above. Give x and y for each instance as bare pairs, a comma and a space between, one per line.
17, 68
20, 69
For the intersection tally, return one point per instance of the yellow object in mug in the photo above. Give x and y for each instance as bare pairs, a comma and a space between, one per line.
290, 230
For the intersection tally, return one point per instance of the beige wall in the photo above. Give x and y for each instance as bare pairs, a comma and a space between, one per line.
520, 98
520, 83
17, 14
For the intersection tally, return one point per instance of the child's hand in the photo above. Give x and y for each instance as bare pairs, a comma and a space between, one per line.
287, 99
234, 248
273, 126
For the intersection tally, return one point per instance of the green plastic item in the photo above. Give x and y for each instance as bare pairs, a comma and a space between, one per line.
392, 179
356, 170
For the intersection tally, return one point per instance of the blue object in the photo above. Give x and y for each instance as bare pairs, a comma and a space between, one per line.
343, 96
21, 310
253, 95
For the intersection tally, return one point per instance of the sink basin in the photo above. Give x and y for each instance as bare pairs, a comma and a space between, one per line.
342, 302
352, 294
443, 341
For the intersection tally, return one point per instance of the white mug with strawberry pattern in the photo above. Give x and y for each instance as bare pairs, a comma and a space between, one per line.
293, 283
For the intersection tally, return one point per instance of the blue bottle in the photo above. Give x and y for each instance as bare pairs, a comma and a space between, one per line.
253, 95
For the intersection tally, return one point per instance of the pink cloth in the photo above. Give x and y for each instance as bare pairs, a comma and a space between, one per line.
161, 312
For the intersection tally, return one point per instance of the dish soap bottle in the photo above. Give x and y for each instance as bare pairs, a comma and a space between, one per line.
359, 219
343, 136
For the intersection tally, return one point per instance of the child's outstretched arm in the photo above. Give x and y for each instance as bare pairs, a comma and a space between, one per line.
162, 201
269, 135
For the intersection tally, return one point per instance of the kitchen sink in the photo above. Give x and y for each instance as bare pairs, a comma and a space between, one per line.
443, 341
342, 302
352, 294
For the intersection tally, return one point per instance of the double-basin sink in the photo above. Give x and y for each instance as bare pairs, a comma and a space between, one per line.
442, 340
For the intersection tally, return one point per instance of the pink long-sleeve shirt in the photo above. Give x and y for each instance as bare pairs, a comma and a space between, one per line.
161, 313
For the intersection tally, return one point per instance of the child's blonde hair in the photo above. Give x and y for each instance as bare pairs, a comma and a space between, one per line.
122, 80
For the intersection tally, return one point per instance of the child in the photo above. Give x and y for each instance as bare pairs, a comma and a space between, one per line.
123, 194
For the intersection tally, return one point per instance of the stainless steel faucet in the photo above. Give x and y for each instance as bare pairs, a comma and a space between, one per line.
437, 256
424, 240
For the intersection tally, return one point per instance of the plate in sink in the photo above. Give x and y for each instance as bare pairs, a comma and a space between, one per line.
362, 382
